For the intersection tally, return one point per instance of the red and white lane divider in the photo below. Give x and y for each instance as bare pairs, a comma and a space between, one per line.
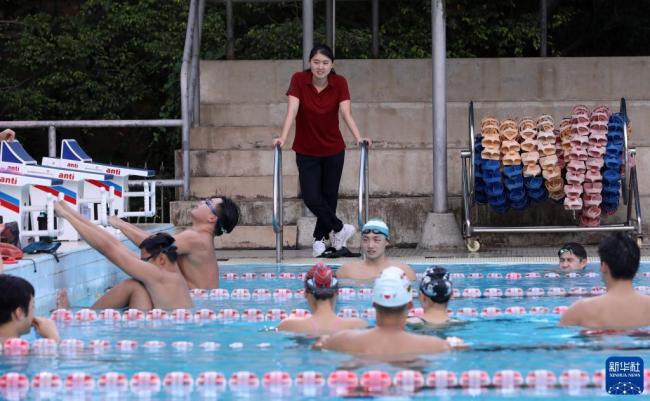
283, 294
181, 316
452, 275
340, 381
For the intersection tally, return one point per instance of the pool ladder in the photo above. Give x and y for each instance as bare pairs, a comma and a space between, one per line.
278, 215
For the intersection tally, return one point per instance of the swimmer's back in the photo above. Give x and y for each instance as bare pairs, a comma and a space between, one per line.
610, 312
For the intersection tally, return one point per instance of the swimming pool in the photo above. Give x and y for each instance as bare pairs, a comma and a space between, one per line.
513, 331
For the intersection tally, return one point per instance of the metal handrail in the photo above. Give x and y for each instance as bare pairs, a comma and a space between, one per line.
363, 185
278, 215
189, 84
472, 149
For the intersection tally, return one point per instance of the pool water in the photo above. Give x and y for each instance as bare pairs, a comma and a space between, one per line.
503, 342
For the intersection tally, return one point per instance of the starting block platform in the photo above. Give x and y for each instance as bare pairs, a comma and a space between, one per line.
15, 205
28, 190
74, 157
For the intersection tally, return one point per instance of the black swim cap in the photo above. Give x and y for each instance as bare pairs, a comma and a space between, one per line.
436, 285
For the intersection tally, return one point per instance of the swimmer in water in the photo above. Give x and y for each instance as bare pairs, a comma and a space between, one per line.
17, 310
622, 307
435, 293
573, 257
374, 239
321, 288
388, 341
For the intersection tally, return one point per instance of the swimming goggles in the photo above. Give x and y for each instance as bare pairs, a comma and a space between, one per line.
216, 211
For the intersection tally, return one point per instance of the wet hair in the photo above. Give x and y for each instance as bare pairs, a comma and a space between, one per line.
325, 50
160, 243
391, 311
15, 292
436, 285
321, 282
574, 248
622, 254
228, 216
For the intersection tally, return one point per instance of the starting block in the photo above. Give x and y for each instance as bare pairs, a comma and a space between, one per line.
74, 157
15, 204
69, 187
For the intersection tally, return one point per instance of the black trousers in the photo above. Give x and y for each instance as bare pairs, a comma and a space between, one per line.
319, 183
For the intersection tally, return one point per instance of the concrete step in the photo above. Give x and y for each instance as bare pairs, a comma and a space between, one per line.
255, 237
404, 124
210, 137
242, 187
406, 172
508, 79
236, 163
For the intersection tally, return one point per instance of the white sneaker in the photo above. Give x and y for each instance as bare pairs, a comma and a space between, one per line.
340, 239
318, 248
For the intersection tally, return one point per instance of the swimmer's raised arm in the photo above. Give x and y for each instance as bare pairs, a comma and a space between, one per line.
108, 245
135, 234
184, 241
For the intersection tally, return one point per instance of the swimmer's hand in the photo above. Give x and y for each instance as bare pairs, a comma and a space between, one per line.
319, 344
46, 328
115, 221
7, 135
61, 209
456, 343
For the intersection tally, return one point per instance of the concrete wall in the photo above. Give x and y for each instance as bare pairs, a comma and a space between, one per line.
243, 105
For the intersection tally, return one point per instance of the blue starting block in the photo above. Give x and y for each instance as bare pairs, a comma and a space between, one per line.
75, 158
93, 204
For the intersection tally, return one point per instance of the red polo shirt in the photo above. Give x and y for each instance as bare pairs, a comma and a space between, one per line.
317, 121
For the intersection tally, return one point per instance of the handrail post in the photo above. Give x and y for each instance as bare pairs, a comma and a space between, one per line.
196, 52
51, 141
472, 149
278, 202
186, 104
364, 185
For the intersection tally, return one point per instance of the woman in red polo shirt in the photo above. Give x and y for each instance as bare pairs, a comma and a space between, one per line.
315, 97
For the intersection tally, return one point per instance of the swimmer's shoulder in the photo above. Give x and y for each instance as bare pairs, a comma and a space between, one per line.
291, 324
357, 324
410, 273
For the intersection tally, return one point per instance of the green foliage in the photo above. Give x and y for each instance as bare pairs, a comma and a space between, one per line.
109, 60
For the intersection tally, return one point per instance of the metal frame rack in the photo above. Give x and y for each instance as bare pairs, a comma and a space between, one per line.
629, 185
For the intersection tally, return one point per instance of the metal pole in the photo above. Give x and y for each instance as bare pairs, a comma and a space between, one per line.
230, 32
185, 98
329, 22
439, 92
334, 27
307, 31
51, 141
542, 27
375, 28
196, 61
